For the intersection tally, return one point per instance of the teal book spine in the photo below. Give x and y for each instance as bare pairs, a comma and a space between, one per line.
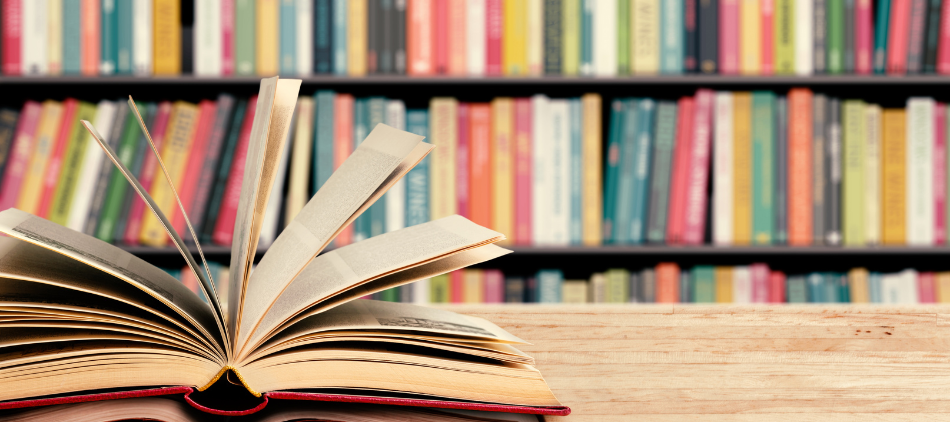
123, 11
587, 38
339, 36
323, 36
662, 168
577, 172
323, 138
549, 286
245, 29
796, 289
816, 288
611, 180
874, 287
361, 226
835, 36
224, 169
704, 284
686, 286
72, 35
880, 36
109, 38
672, 31
763, 167
288, 34
646, 112
376, 114
832, 289
623, 191
417, 180
844, 289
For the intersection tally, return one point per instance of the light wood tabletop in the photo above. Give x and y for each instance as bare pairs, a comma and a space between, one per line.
677, 363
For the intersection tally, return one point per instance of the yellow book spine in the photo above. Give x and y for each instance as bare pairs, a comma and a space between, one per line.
514, 43
473, 293
858, 283
592, 213
645, 36
32, 189
853, 171
356, 42
503, 168
893, 178
54, 24
943, 287
443, 130
175, 150
439, 289
872, 175
742, 168
166, 41
574, 291
723, 284
750, 36
570, 37
267, 42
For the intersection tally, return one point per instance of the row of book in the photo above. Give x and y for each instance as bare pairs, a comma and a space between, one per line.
477, 37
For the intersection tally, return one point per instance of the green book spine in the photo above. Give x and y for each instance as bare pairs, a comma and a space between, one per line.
109, 38
115, 194
439, 289
389, 295
662, 166
763, 167
835, 36
244, 30
623, 38
123, 11
135, 166
553, 30
612, 179
796, 289
376, 114
106, 168
623, 190
617, 286
570, 36
704, 284
853, 176
323, 139
69, 174
224, 169
784, 37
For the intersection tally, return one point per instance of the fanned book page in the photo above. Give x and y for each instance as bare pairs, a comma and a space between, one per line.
82, 321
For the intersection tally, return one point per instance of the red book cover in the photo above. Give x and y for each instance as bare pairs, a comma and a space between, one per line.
898, 37
20, 153
760, 283
196, 161
462, 151
342, 148
925, 288
91, 38
800, 172
457, 286
675, 223
227, 37
419, 37
698, 170
133, 226
523, 172
494, 286
493, 34
224, 228
667, 282
776, 287
729, 37
940, 174
943, 43
12, 33
440, 21
479, 181
70, 106
863, 37
457, 38
768, 34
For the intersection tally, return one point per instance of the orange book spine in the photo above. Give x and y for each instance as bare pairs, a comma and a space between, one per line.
800, 167
419, 43
893, 177
90, 34
166, 41
343, 147
457, 38
480, 158
667, 282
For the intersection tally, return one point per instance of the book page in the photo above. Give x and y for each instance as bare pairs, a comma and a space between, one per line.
383, 158
281, 411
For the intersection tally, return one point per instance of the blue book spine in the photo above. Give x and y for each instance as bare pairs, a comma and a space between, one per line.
880, 36
323, 36
832, 290
587, 37
323, 138
577, 172
376, 114
622, 192
672, 31
613, 169
109, 38
339, 37
549, 286
361, 226
874, 287
646, 112
844, 289
123, 11
816, 288
288, 33
72, 34
417, 180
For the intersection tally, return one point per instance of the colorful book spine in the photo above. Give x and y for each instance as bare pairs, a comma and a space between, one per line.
477, 40
570, 37
323, 36
940, 174
267, 37
44, 142
419, 37
586, 66
227, 37
624, 37
679, 182
211, 160
729, 37
592, 156
124, 37
133, 226
117, 185
303, 26
462, 154
881, 32
849, 32
723, 286
443, 130
18, 162
785, 27
818, 150
494, 31
440, 38
223, 233
8, 123
166, 25
777, 287
931, 35
742, 168
245, 42
523, 170
800, 167
833, 171
667, 282
12, 14
759, 278
915, 38
706, 30
804, 37
691, 43
72, 34
287, 37
612, 177
835, 36
666, 116
750, 36
820, 41
763, 165
457, 64
503, 167
577, 174
723, 197
417, 180
863, 42
534, 39
340, 31
898, 37
893, 177
872, 175
671, 37
695, 206
480, 171
852, 201
91, 35
200, 153
235, 122
109, 38
61, 207
767, 28
703, 284
514, 42
781, 171
105, 169
920, 140
646, 41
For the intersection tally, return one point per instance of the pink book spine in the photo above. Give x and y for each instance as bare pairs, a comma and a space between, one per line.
196, 161
150, 164
925, 288
12, 32
760, 283
681, 154
768, 14
523, 171
940, 174
729, 37
462, 150
943, 43
863, 37
440, 39
227, 37
223, 233
457, 286
899, 32
776, 287
698, 170
19, 155
494, 286
70, 107
493, 34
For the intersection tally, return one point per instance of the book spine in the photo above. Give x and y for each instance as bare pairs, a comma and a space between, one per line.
462, 153
852, 215
750, 22
542, 171
613, 158
117, 186
534, 47
820, 45
742, 168
666, 116
20, 152
493, 37
671, 37
695, 206
340, 10
476, 38
553, 31
515, 40
147, 174
898, 37
220, 176
8, 121
620, 194
200, 156
893, 177
267, 37
804, 37
324, 154
586, 56
943, 44
729, 37
479, 166
12, 36
323, 36
723, 197
723, 284
785, 37
858, 285
227, 37
931, 36
124, 37
109, 38
863, 38
35, 38
880, 29
142, 31
767, 28
781, 170
920, 135
940, 174
72, 35
741, 285
561, 161
223, 233
457, 39
819, 173
763, 173
167, 37
942, 286
872, 175
915, 40
439, 289
523, 170
704, 284
679, 182
396, 196
287, 37
456, 286
245, 42
216, 146
646, 113
570, 37
577, 173
503, 167
760, 283
440, 36
707, 50
419, 37
925, 287
646, 42
833, 172
667, 282
207, 38
550, 283
105, 170
592, 212
443, 129
90, 27
848, 34
362, 225
89, 168
417, 180
44, 143
691, 42
835, 36
69, 173
800, 167
777, 287
624, 37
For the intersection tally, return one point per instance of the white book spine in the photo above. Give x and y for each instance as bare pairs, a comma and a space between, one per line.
304, 39
605, 38
300, 161
475, 32
536, 37
872, 175
54, 52
142, 37
900, 288
561, 183
920, 198
207, 38
34, 41
91, 164
723, 195
396, 196
741, 285
270, 229
542, 170
804, 37
420, 292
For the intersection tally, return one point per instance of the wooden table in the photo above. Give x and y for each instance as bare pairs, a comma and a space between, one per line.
738, 363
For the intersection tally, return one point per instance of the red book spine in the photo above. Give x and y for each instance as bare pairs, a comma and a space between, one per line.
12, 32
681, 154
729, 37
698, 170
863, 37
224, 228
480, 165
91, 37
494, 286
667, 282
20, 153
760, 283
133, 227
940, 174
925, 288
523, 172
897, 39
768, 48
777, 287
462, 151
440, 21
943, 43
189, 280
227, 37
493, 35
457, 286
70, 107
196, 161
342, 148
419, 37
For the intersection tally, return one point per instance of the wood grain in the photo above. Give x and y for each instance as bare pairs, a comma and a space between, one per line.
804, 363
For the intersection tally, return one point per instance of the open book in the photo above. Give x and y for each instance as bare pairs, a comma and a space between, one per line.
83, 320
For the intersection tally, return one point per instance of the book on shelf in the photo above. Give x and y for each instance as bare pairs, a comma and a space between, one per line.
296, 310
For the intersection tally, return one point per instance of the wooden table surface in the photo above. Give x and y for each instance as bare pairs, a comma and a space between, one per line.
738, 363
